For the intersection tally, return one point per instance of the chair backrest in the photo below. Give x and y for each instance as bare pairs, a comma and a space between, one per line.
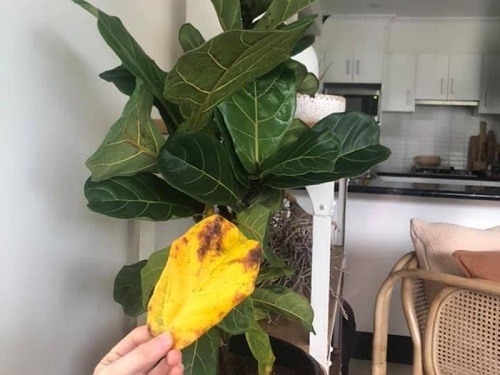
457, 333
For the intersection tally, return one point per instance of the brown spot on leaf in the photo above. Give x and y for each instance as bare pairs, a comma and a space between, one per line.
238, 298
210, 237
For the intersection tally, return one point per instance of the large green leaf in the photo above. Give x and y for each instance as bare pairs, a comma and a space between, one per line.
358, 134
151, 273
200, 358
259, 115
143, 196
239, 171
314, 152
134, 59
239, 319
125, 81
304, 42
226, 70
279, 11
198, 165
285, 302
133, 142
127, 289
254, 224
229, 13
358, 137
189, 37
309, 85
260, 346
270, 198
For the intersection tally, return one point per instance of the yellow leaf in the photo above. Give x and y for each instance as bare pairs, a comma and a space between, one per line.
210, 270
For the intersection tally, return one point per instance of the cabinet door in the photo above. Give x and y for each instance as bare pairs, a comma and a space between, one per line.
432, 77
464, 77
490, 85
339, 68
367, 67
398, 90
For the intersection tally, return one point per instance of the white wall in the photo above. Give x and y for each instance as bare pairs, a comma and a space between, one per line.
58, 258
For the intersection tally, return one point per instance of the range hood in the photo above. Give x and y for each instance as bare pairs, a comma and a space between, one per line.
463, 103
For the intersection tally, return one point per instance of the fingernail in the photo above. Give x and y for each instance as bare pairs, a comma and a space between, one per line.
164, 340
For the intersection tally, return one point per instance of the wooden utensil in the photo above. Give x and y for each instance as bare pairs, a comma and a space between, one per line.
477, 160
491, 147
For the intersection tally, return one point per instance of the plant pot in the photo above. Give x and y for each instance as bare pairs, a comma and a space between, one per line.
290, 360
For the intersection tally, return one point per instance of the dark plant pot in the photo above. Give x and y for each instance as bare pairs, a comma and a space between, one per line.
289, 358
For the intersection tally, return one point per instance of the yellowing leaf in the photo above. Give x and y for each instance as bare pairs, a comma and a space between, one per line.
210, 270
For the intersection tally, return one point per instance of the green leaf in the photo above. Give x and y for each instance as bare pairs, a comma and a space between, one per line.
126, 82
238, 170
151, 272
143, 196
270, 274
127, 289
254, 224
134, 59
226, 70
358, 134
279, 11
309, 85
189, 37
258, 116
314, 152
285, 302
358, 137
304, 42
121, 78
269, 197
198, 165
299, 69
239, 319
200, 358
260, 346
229, 13
132, 144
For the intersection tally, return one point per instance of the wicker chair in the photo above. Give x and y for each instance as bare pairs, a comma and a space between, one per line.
457, 333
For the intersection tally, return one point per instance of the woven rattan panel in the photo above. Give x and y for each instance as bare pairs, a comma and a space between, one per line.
467, 335
420, 303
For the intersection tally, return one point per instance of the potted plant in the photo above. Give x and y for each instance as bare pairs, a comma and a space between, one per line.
233, 148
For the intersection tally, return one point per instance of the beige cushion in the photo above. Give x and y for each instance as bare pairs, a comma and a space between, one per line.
479, 264
435, 244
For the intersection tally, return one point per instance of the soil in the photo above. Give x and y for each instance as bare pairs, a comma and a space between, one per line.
234, 364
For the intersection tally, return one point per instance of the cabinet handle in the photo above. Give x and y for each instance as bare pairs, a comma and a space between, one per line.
358, 64
348, 67
442, 85
452, 83
486, 98
408, 97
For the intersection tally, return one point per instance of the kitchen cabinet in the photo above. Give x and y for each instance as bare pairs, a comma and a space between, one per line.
490, 85
353, 49
448, 77
354, 66
398, 85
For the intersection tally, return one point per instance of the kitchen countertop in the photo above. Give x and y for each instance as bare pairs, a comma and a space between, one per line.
376, 185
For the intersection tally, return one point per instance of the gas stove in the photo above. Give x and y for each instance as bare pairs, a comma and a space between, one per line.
449, 172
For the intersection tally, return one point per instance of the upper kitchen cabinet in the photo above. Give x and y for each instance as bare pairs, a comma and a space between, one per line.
399, 83
448, 77
353, 49
490, 87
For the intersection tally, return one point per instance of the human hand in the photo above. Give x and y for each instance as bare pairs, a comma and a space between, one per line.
140, 354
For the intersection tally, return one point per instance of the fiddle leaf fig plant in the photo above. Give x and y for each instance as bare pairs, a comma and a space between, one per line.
233, 147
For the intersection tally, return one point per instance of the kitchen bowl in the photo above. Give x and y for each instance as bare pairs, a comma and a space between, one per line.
427, 161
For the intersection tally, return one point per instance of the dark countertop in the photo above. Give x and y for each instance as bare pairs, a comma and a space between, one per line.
377, 186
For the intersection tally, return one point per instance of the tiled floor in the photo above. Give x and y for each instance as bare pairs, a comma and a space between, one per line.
359, 367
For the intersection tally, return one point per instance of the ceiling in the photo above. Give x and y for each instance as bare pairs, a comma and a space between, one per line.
414, 8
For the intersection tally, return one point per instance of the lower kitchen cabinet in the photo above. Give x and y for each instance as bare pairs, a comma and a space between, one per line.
398, 85
490, 85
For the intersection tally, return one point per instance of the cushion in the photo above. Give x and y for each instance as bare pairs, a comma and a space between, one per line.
435, 244
479, 264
